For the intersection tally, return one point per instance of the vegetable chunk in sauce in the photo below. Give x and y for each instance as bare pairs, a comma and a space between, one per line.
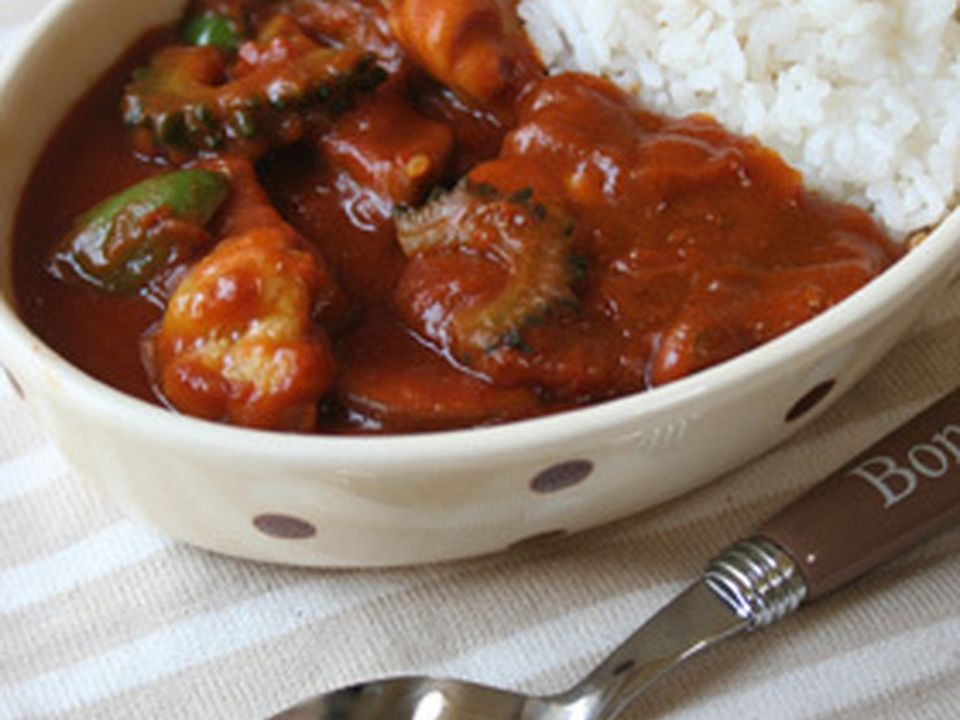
690, 246
415, 228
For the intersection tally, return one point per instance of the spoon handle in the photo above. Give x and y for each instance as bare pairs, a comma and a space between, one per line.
903, 489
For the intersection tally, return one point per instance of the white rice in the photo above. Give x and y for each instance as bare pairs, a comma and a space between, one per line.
862, 96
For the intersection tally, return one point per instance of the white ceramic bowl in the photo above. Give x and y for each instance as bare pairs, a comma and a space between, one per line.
331, 501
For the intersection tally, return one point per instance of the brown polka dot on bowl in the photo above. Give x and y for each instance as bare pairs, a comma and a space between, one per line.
17, 388
284, 527
810, 400
562, 476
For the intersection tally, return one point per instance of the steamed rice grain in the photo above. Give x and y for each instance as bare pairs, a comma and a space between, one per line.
861, 96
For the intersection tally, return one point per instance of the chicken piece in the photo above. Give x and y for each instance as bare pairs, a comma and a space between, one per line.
391, 149
477, 47
248, 208
238, 343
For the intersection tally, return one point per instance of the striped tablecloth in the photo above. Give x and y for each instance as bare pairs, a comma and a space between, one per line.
101, 617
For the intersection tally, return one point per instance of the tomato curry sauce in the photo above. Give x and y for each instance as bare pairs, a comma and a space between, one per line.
355, 216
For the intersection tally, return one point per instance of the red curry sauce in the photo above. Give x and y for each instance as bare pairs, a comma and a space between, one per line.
587, 248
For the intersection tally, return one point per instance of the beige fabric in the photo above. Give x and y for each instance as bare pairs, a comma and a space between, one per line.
103, 618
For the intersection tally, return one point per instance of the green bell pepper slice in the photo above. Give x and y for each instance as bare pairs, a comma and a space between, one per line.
212, 30
123, 243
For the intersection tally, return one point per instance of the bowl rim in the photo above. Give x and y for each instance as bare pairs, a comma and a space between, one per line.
862, 311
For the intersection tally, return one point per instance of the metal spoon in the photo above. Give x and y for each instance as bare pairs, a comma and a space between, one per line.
902, 490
